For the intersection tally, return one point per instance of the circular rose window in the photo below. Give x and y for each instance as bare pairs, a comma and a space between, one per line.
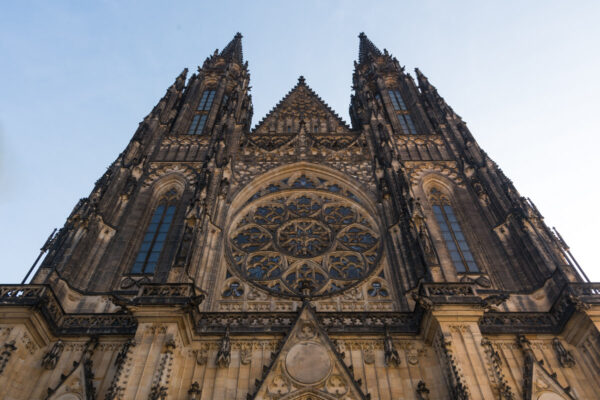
304, 242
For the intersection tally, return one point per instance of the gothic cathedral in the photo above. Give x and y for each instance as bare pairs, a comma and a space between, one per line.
305, 258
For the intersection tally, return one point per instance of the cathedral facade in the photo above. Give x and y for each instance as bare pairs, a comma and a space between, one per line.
305, 258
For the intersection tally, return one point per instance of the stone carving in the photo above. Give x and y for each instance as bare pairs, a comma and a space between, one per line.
412, 354
391, 354
51, 357
278, 386
85, 363
308, 241
564, 356
306, 331
201, 356
308, 362
159, 389
5, 353
369, 355
504, 389
336, 385
224, 353
195, 393
454, 376
422, 391
246, 355
535, 376
115, 391
491, 302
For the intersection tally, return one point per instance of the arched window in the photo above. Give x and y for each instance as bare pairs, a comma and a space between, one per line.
402, 112
156, 235
199, 121
457, 245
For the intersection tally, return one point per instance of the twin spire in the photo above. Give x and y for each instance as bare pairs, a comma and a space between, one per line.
233, 50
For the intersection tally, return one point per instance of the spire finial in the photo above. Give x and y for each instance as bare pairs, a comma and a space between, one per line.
233, 50
422, 79
301, 80
366, 49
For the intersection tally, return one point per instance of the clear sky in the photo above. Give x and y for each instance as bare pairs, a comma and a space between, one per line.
77, 77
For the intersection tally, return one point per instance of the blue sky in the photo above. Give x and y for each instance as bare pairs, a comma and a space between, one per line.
77, 77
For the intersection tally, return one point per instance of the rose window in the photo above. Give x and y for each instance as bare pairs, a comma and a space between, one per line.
304, 242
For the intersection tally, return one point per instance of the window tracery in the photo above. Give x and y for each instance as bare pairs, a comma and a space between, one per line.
304, 235
201, 115
402, 112
452, 233
156, 234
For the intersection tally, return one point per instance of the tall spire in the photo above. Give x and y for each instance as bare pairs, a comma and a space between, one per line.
366, 48
233, 50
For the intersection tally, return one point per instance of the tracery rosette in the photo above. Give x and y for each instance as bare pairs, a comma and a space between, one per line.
304, 237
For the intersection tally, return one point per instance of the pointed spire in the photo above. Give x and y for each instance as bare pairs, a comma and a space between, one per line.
366, 49
180, 80
233, 50
422, 79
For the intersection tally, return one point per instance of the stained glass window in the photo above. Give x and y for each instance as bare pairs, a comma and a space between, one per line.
154, 239
397, 101
311, 239
199, 120
457, 245
206, 100
404, 118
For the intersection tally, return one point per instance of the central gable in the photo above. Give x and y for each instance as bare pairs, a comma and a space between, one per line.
302, 110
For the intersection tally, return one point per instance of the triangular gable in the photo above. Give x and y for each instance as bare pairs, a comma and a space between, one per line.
538, 383
302, 108
307, 366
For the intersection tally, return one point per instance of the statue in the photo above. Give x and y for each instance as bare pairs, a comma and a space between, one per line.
224, 353
51, 358
391, 354
564, 356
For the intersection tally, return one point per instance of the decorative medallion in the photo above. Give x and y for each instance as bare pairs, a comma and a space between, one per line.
306, 239
308, 362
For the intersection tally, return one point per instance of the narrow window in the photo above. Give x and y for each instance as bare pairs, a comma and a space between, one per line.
199, 120
155, 237
407, 124
397, 100
206, 100
461, 255
404, 119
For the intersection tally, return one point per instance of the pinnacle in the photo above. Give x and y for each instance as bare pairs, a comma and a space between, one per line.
233, 50
366, 48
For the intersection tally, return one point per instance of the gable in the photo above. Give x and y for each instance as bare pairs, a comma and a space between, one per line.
308, 366
302, 110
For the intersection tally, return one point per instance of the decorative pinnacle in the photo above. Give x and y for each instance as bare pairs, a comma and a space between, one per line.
366, 49
233, 50
301, 80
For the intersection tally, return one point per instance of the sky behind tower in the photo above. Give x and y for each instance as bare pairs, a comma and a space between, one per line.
77, 78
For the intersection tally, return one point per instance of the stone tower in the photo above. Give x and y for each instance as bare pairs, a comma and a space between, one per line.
305, 258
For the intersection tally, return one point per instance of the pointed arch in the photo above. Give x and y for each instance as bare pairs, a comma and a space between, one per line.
439, 194
304, 227
164, 207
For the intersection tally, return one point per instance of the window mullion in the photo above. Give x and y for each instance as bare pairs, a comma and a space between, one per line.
159, 225
452, 234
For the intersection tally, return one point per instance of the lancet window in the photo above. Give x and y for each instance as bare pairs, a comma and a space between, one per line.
453, 236
156, 235
402, 113
204, 105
